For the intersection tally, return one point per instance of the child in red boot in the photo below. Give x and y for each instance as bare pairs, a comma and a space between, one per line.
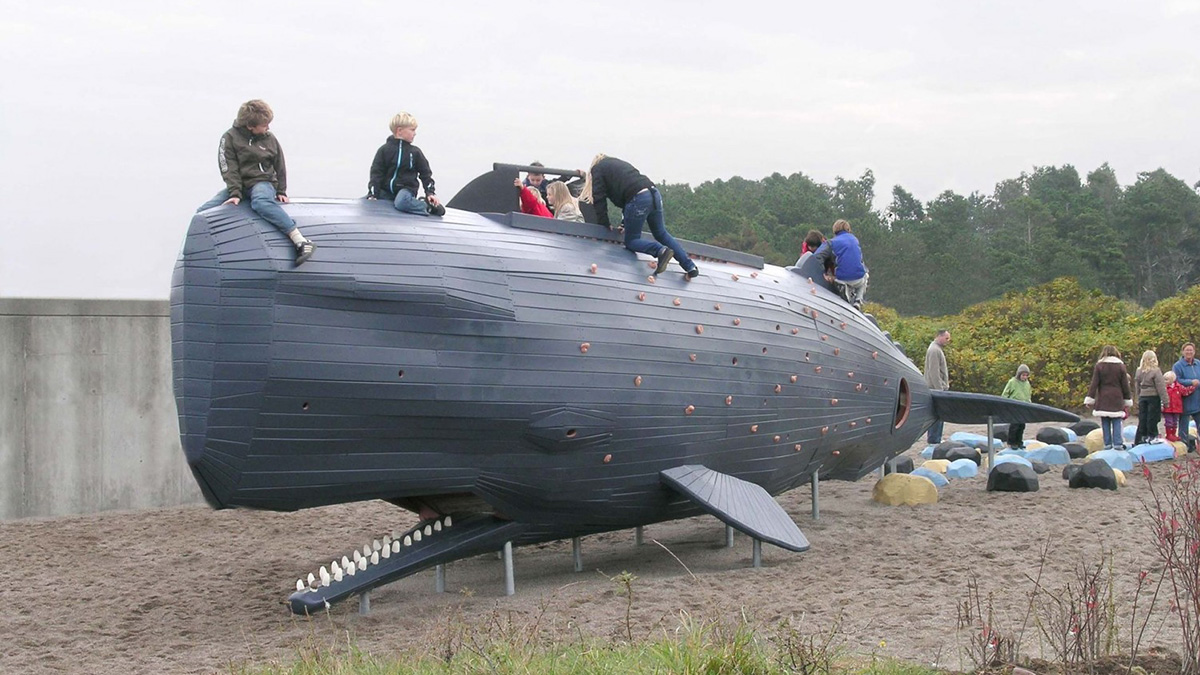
1173, 406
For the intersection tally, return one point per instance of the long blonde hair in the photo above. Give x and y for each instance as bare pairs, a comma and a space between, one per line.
586, 194
1149, 360
560, 195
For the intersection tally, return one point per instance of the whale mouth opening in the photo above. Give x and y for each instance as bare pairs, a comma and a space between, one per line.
903, 405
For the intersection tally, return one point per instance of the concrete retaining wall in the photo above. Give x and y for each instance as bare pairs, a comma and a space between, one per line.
87, 420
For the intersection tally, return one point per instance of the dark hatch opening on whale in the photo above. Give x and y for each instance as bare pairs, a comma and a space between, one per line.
492, 195
903, 404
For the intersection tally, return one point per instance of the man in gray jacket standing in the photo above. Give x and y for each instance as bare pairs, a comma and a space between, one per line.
937, 376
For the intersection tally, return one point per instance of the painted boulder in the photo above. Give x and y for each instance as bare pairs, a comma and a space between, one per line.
934, 477
1117, 459
1012, 477
1053, 436
1095, 473
1050, 454
1153, 452
904, 489
1094, 441
962, 468
974, 440
1012, 458
1076, 449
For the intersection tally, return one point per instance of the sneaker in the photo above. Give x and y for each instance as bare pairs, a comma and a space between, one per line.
664, 259
436, 209
304, 252
693, 273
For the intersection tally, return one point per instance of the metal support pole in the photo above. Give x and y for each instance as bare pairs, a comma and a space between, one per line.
510, 584
757, 556
638, 536
728, 536
816, 495
577, 553
991, 446
364, 603
439, 578
881, 474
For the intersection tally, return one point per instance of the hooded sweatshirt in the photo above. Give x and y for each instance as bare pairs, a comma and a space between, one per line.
246, 160
1017, 389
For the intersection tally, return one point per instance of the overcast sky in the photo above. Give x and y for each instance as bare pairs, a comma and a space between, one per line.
111, 112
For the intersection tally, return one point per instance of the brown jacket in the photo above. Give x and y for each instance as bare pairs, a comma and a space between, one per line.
1109, 393
246, 160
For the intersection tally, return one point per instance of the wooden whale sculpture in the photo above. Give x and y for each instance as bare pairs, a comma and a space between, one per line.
519, 379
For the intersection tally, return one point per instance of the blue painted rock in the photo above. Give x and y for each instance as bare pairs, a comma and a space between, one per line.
1053, 436
936, 478
974, 440
927, 453
940, 450
1012, 477
1117, 459
1013, 458
902, 464
1153, 452
1013, 451
1050, 454
1129, 432
1096, 473
1071, 435
1076, 449
962, 468
1084, 427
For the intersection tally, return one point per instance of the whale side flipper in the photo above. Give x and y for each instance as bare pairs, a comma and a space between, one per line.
963, 407
740, 504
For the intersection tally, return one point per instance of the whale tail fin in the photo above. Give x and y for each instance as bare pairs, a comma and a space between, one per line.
963, 407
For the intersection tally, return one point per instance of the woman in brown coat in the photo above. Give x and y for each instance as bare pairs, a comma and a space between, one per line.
1109, 396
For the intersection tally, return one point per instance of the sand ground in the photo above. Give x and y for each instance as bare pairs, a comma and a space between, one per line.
190, 590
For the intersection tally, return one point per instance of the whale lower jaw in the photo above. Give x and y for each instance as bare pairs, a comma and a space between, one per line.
430, 543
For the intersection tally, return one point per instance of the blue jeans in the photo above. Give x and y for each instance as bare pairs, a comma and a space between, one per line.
646, 209
407, 202
1111, 427
934, 435
262, 200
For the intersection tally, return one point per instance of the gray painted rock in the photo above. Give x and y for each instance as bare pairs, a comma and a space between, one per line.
1053, 436
1094, 474
1012, 477
1083, 427
1076, 449
1000, 431
940, 450
1070, 470
1039, 467
904, 464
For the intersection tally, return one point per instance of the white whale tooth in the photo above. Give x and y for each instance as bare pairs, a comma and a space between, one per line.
375, 545
385, 552
312, 579
428, 530
345, 562
357, 555
325, 578
387, 541
448, 521
299, 584
366, 550
375, 558
362, 563
337, 574
407, 540
437, 526
334, 567
395, 546
351, 569
417, 535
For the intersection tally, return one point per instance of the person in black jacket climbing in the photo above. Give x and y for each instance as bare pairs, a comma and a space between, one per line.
617, 180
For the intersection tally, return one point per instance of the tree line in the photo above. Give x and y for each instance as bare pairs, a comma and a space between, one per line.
1138, 243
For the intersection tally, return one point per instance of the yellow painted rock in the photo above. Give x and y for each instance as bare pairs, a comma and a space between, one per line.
1180, 448
938, 465
1120, 477
1034, 445
902, 488
1094, 441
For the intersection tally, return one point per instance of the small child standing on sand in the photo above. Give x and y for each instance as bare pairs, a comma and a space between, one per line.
1173, 407
1018, 389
